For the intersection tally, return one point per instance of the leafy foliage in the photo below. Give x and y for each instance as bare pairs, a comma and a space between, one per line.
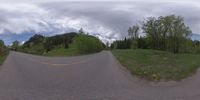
122, 44
167, 33
3, 51
15, 45
3, 48
40, 45
35, 45
59, 44
34, 40
59, 40
87, 44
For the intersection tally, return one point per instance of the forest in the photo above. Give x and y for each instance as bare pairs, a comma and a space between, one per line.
167, 33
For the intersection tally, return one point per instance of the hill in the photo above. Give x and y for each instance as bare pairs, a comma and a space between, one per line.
67, 44
40, 45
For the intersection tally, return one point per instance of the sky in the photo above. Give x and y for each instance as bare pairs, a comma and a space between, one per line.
108, 20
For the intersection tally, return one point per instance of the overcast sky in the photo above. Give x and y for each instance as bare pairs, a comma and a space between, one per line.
109, 20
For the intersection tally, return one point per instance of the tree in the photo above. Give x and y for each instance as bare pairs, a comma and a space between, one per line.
133, 34
47, 44
166, 33
179, 32
151, 28
87, 44
133, 31
107, 45
165, 26
34, 40
2, 47
2, 44
122, 44
62, 40
81, 31
15, 45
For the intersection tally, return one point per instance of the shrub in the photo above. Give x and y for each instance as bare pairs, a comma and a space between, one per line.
3, 49
87, 44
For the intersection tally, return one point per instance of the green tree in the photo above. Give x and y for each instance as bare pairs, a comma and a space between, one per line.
151, 28
62, 40
15, 45
81, 31
87, 44
2, 44
166, 33
34, 40
2, 47
180, 32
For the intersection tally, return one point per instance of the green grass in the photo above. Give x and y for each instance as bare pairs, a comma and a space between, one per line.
36, 49
3, 57
62, 52
58, 51
155, 65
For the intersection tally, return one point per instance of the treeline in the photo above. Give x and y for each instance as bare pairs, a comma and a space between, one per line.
40, 45
64, 40
168, 33
130, 43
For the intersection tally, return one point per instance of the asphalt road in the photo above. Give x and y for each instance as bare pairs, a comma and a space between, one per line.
92, 77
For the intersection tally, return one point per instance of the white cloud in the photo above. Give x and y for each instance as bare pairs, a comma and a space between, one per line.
22, 18
107, 20
25, 18
22, 42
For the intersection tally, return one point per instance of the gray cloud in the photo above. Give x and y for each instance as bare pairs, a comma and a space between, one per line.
118, 16
107, 20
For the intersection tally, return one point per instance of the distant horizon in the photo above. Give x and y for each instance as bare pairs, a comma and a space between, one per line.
194, 36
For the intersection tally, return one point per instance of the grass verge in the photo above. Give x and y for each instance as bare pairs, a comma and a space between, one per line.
62, 52
3, 57
156, 65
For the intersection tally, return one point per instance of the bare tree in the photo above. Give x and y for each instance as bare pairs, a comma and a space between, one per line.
133, 31
133, 34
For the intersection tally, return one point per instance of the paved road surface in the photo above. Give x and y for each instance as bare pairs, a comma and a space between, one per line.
91, 77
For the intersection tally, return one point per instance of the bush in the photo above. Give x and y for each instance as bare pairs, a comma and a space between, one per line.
3, 49
36, 49
87, 44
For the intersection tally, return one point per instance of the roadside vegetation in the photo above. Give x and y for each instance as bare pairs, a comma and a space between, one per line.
60, 51
3, 52
166, 33
82, 44
169, 51
156, 65
69, 44
164, 51
85, 44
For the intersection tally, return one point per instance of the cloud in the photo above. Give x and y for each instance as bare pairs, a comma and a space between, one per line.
107, 20
21, 18
118, 16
